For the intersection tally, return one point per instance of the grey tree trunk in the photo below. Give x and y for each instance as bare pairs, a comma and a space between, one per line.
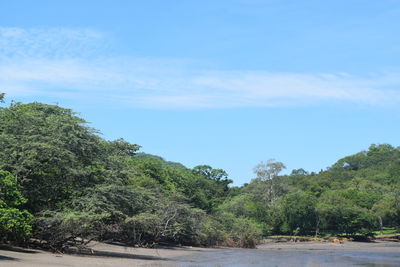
380, 224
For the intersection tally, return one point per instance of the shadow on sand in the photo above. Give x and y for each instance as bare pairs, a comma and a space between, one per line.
112, 254
162, 246
6, 258
14, 249
17, 249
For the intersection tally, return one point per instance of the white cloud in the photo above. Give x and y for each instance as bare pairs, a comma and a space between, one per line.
70, 63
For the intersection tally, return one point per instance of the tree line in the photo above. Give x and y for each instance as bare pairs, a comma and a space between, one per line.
62, 185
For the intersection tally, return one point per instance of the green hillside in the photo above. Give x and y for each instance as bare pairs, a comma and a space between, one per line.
62, 184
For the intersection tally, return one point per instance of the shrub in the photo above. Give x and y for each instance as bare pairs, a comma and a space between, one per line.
15, 224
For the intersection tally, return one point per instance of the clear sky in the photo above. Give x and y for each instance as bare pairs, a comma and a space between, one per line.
223, 83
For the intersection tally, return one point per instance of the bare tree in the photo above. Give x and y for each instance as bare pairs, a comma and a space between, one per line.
267, 172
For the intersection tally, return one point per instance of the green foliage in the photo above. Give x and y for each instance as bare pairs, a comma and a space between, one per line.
377, 157
268, 185
339, 214
120, 213
59, 229
239, 231
10, 194
203, 187
15, 224
299, 214
245, 232
48, 150
212, 232
99, 213
388, 211
357, 195
217, 183
81, 187
142, 229
117, 201
244, 205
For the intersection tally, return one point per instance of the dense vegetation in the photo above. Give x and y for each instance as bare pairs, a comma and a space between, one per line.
62, 184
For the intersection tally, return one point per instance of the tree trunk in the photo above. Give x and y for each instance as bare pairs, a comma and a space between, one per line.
380, 224
317, 227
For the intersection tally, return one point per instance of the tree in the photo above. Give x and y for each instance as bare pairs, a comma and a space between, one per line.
299, 213
300, 172
376, 157
267, 174
386, 211
269, 170
218, 176
210, 173
340, 215
50, 151
123, 147
244, 205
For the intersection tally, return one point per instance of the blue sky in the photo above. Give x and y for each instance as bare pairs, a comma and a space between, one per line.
224, 83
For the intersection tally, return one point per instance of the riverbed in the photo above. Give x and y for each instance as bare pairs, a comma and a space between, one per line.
382, 254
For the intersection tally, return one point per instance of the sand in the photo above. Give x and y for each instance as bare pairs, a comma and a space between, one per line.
102, 255
267, 254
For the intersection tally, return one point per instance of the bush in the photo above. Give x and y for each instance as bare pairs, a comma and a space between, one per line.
15, 224
245, 232
60, 230
212, 232
240, 231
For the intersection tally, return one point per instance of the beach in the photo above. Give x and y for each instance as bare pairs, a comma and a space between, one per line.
268, 254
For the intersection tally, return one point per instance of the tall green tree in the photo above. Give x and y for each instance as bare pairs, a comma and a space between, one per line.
49, 150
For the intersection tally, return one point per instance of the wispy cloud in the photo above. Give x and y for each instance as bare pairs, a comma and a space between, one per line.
73, 63
49, 42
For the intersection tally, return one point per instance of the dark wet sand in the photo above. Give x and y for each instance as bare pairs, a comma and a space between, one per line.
382, 254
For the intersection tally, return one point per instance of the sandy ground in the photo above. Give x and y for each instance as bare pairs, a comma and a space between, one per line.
103, 255
115, 255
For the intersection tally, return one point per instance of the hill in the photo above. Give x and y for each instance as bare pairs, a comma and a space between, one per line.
62, 184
